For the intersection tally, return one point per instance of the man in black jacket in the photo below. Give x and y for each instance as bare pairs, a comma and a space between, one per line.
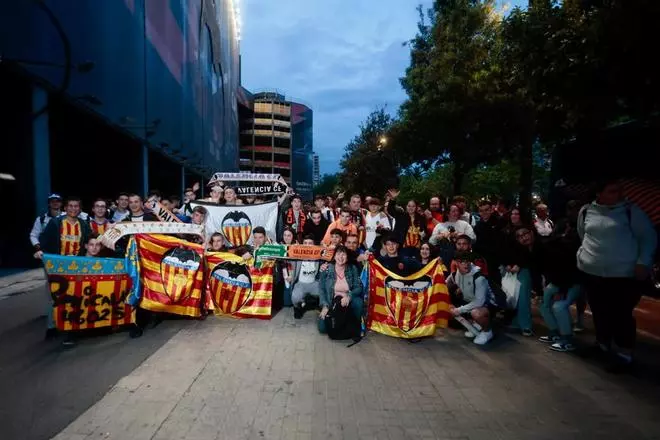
490, 239
316, 227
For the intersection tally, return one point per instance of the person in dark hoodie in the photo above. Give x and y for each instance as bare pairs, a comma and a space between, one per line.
393, 261
490, 239
317, 227
559, 268
522, 259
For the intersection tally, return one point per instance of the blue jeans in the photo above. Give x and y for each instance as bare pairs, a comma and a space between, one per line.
556, 314
523, 317
356, 305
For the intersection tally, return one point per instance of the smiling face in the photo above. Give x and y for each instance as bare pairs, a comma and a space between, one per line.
135, 204
425, 251
319, 203
341, 258
392, 248
454, 213
316, 218
287, 237
73, 208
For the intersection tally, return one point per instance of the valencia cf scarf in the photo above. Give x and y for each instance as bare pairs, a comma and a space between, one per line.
290, 220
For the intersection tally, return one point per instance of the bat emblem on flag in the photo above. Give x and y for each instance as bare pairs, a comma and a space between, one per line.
408, 300
231, 286
237, 228
178, 270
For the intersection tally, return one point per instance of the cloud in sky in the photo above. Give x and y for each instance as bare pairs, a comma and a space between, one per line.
342, 58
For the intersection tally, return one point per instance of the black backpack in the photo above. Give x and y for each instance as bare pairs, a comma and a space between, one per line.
498, 298
341, 323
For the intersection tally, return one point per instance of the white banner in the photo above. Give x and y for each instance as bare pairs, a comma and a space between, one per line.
236, 222
119, 230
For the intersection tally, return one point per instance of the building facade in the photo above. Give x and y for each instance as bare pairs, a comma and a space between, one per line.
277, 137
123, 95
266, 136
316, 172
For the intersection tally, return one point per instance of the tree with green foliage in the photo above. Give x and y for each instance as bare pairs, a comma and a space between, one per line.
329, 184
457, 110
369, 166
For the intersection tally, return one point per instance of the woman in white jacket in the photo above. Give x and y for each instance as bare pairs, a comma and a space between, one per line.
616, 256
452, 228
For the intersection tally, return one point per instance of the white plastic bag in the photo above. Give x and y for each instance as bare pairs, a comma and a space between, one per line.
511, 286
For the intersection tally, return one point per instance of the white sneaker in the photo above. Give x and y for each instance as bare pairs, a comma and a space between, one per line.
469, 335
484, 337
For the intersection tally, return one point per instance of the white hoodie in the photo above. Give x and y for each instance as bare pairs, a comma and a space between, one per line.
475, 292
614, 240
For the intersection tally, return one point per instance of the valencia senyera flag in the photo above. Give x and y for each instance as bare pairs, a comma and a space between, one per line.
407, 307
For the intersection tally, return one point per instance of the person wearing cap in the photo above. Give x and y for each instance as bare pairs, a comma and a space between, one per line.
54, 210
471, 297
394, 262
216, 196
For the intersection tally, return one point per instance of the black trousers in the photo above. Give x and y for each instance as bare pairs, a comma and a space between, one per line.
612, 301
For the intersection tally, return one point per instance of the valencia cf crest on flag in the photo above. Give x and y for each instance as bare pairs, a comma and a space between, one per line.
237, 228
408, 300
178, 270
407, 307
230, 284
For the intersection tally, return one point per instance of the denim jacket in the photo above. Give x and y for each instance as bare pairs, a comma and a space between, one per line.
328, 279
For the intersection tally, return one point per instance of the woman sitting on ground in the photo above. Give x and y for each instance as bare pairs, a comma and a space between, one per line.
340, 279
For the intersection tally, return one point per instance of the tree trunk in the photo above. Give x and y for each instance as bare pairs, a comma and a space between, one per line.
457, 178
526, 178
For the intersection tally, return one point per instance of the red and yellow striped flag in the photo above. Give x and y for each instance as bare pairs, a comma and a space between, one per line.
171, 273
407, 307
88, 292
239, 289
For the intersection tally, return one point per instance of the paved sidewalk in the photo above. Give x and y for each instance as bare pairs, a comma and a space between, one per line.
279, 379
21, 282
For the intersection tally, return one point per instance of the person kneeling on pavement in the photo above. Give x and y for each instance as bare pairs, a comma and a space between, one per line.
471, 297
340, 280
304, 280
